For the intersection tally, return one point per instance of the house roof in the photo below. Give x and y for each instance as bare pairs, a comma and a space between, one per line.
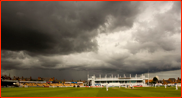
149, 80
172, 78
167, 81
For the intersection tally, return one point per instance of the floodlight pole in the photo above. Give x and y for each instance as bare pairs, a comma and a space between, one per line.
118, 79
106, 78
148, 77
112, 78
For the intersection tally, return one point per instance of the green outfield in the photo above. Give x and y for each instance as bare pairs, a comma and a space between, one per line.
91, 92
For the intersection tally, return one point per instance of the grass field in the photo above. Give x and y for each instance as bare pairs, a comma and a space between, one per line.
91, 92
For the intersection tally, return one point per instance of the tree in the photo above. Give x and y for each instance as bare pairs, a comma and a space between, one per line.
155, 80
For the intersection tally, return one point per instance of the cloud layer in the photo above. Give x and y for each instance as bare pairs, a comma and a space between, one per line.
91, 37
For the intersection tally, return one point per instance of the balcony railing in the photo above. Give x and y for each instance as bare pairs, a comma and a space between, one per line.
116, 78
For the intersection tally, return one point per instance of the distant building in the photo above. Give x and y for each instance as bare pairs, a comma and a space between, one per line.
39, 79
51, 79
25, 79
146, 81
171, 81
166, 81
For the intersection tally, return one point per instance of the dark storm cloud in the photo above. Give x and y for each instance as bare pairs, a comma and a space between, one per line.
47, 62
21, 60
138, 66
11, 54
60, 27
8, 65
12, 60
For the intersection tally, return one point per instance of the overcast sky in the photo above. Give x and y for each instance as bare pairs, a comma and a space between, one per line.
68, 40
